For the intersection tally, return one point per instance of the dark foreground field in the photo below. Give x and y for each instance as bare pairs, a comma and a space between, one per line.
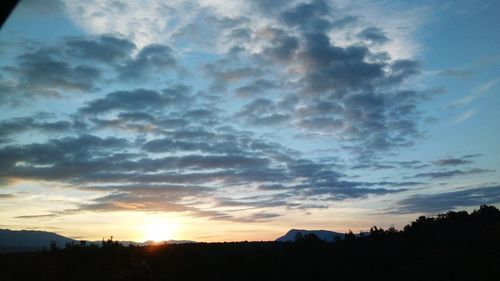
452, 246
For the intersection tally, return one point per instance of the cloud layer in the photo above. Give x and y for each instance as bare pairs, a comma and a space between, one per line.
211, 109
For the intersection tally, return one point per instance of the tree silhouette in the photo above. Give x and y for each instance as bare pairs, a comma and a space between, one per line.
450, 246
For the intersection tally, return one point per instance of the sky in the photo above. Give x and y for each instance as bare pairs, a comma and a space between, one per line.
214, 120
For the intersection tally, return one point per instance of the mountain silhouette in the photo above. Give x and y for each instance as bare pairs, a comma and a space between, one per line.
32, 240
325, 235
26, 240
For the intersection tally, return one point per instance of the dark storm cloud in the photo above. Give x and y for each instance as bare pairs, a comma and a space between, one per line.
442, 202
451, 173
374, 35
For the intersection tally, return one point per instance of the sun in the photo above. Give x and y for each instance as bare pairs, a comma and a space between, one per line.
159, 230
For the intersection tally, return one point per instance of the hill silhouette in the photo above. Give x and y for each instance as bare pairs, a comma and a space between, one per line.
325, 235
451, 246
29, 240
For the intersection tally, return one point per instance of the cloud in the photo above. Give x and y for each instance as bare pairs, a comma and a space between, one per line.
269, 7
262, 112
373, 35
226, 71
442, 202
7, 196
465, 116
305, 14
10, 127
150, 59
451, 173
42, 216
78, 65
457, 73
47, 72
308, 67
59, 159
452, 162
264, 45
256, 87
476, 93
104, 48
46, 7
138, 99
371, 108
144, 24
199, 163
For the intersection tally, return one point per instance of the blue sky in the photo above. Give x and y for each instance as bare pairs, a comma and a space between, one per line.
215, 120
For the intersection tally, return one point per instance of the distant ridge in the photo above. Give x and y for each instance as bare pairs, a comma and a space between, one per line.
33, 240
325, 235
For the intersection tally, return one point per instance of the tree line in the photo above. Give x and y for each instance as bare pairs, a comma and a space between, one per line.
450, 246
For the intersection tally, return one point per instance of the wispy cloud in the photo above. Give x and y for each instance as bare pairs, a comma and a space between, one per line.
442, 202
451, 173
479, 91
465, 116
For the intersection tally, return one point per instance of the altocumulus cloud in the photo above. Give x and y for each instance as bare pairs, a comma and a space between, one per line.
151, 144
79, 65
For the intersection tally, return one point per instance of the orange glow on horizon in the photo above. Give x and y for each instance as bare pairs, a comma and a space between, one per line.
158, 230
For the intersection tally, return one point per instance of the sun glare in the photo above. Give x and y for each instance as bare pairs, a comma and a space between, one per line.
159, 231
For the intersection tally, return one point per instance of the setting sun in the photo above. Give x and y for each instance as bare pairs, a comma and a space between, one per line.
159, 230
